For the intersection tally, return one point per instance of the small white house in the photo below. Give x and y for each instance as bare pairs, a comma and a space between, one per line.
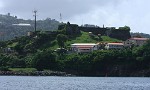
30, 33
84, 47
114, 46
136, 41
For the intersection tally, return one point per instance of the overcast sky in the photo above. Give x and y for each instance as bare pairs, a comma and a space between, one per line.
116, 13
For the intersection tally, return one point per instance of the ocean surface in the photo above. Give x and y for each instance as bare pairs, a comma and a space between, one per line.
73, 83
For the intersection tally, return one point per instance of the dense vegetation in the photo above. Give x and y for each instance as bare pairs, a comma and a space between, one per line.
49, 51
123, 33
40, 52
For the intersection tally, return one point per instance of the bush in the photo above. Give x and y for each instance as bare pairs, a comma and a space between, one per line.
4, 68
44, 60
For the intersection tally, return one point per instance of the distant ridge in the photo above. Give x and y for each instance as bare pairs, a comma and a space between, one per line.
11, 26
144, 35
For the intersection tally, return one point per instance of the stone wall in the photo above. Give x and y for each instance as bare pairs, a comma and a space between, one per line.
74, 29
120, 34
94, 30
71, 29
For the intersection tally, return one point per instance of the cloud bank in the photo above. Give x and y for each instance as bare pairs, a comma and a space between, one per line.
133, 13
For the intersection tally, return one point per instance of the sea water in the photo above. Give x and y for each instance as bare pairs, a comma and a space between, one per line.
73, 83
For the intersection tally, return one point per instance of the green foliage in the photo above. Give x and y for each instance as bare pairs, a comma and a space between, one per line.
22, 69
4, 68
100, 62
19, 44
17, 63
28, 60
11, 61
61, 39
79, 64
37, 52
123, 33
44, 60
95, 37
108, 39
19, 48
142, 55
125, 28
2, 44
83, 38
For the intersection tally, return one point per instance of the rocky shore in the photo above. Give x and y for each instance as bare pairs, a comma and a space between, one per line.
34, 73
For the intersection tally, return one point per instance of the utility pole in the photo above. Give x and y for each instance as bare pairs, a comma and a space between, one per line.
35, 11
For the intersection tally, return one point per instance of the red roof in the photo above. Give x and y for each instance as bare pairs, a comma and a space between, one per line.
116, 43
144, 39
84, 46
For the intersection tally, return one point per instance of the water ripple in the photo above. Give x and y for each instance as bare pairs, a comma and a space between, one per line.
73, 83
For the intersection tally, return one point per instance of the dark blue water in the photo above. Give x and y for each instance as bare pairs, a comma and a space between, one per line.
73, 83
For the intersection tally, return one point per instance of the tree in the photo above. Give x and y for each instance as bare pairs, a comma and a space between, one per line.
125, 28
11, 61
2, 44
44, 60
61, 39
19, 48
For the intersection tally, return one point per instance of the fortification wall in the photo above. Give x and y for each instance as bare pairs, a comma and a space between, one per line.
94, 30
120, 34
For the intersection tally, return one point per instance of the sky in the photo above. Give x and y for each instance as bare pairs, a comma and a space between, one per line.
111, 13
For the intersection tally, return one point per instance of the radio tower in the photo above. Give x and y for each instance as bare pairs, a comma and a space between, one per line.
35, 11
60, 18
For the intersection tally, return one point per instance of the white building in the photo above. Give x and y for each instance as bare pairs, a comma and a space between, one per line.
114, 46
136, 41
21, 24
30, 33
84, 47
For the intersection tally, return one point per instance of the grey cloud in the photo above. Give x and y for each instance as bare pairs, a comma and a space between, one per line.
52, 8
110, 12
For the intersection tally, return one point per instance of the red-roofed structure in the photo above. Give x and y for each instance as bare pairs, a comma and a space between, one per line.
136, 41
143, 39
114, 46
84, 47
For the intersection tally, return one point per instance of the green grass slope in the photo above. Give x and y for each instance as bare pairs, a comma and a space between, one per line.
108, 39
85, 38
82, 38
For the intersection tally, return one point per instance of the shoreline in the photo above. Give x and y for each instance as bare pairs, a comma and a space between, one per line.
34, 73
59, 73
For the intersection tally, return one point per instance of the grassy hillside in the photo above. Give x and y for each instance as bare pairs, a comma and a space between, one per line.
41, 43
84, 38
27, 51
108, 39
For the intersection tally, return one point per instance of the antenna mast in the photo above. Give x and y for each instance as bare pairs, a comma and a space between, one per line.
60, 18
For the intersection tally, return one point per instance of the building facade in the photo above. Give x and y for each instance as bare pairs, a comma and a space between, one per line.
135, 41
114, 46
83, 47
